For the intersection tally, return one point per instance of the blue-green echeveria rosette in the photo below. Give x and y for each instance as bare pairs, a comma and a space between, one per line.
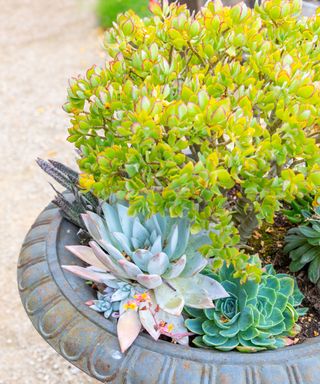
255, 317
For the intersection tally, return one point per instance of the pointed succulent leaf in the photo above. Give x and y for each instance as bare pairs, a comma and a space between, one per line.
128, 329
178, 324
119, 295
148, 314
175, 268
172, 242
124, 242
107, 260
195, 264
184, 234
111, 217
85, 254
156, 246
194, 296
113, 251
139, 231
95, 226
86, 274
158, 264
136, 244
169, 300
131, 270
214, 289
149, 281
141, 257
126, 221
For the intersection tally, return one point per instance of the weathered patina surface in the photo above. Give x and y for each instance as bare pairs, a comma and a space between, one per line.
54, 301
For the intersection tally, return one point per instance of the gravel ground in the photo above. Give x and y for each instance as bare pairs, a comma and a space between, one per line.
42, 44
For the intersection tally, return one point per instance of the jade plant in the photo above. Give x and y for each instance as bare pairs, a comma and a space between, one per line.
158, 260
255, 317
303, 245
214, 115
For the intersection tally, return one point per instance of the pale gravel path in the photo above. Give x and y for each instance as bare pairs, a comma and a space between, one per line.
42, 44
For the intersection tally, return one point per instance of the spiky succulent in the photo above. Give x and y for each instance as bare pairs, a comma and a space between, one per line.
255, 317
69, 179
157, 255
303, 245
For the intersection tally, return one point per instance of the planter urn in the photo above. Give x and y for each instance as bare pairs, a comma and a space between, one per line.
55, 303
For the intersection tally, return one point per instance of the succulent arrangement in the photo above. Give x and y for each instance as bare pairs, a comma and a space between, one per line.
199, 128
303, 245
191, 110
151, 268
255, 316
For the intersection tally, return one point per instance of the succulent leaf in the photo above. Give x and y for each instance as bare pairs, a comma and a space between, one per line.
128, 329
86, 254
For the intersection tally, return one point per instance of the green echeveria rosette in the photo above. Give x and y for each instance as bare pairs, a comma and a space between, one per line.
256, 316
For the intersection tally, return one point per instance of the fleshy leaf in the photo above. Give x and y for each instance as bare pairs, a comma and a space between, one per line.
175, 268
169, 300
85, 254
128, 329
141, 257
131, 270
158, 264
149, 281
86, 273
111, 265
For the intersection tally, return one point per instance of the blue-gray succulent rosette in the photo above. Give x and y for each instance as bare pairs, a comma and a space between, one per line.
255, 317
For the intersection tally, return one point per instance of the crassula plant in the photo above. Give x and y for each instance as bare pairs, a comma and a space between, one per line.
213, 115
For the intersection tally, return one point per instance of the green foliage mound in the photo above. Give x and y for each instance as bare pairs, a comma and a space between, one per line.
204, 115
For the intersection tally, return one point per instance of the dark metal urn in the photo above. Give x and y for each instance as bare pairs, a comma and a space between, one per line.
54, 301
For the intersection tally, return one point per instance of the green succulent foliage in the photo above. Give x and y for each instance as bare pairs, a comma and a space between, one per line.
69, 179
296, 213
192, 107
303, 245
255, 317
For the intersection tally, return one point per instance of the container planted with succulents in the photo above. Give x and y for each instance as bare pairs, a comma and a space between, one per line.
187, 247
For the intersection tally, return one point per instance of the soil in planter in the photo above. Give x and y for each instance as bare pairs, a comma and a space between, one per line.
268, 242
